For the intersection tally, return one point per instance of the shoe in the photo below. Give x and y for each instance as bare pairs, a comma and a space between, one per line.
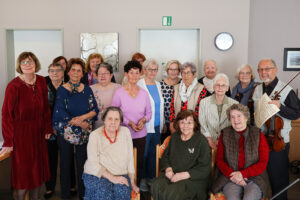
73, 191
48, 194
143, 186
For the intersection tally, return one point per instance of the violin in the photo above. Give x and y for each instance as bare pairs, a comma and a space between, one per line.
275, 124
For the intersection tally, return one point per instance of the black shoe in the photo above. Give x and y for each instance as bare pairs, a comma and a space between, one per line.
73, 191
48, 194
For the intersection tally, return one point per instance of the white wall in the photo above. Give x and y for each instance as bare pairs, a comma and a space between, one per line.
36, 41
126, 17
274, 25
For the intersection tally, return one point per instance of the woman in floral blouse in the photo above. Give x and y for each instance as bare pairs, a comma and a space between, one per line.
74, 111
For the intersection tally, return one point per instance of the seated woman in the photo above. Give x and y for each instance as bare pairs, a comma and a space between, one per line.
109, 169
244, 89
212, 110
242, 158
185, 164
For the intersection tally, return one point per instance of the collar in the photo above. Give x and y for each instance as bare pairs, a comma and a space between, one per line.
272, 85
214, 101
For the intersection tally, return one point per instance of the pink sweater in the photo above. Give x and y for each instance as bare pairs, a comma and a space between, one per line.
133, 109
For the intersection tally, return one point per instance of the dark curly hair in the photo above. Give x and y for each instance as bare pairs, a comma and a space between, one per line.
132, 65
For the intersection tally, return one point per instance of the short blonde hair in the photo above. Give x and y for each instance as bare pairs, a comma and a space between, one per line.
242, 67
25, 55
172, 62
148, 62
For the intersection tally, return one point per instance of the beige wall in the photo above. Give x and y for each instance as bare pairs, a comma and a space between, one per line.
125, 17
274, 25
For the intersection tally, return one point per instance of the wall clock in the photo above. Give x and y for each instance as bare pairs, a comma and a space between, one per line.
224, 41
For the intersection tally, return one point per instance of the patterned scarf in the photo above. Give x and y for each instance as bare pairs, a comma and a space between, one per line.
186, 93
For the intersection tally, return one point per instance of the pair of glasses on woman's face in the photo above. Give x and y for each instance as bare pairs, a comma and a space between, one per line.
25, 62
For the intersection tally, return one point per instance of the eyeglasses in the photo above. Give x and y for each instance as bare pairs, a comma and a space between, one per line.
265, 69
210, 67
152, 70
104, 74
221, 86
55, 70
245, 73
188, 73
25, 62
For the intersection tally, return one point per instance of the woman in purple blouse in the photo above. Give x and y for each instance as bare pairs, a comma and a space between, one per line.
135, 104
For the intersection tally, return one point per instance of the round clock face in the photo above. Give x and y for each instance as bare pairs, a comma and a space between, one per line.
224, 41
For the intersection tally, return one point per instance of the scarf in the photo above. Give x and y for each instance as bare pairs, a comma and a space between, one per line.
209, 84
74, 86
246, 92
186, 93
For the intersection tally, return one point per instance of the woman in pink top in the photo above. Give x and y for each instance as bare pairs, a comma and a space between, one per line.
103, 90
135, 104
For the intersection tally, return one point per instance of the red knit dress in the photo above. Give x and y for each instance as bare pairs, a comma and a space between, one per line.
25, 121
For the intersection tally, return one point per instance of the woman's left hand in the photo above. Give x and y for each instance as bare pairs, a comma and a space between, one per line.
180, 176
76, 121
141, 123
47, 136
135, 188
237, 178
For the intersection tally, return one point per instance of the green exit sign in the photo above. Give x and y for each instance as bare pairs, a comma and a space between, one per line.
167, 20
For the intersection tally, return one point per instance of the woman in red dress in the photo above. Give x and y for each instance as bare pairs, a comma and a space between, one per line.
26, 123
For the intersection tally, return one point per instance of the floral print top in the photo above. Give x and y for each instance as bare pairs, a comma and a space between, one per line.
69, 105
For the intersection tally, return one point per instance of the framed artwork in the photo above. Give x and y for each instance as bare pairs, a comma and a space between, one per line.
106, 44
291, 60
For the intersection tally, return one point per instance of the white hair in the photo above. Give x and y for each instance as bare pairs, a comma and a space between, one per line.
221, 75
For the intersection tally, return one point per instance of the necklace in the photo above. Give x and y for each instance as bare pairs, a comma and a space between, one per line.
109, 137
30, 85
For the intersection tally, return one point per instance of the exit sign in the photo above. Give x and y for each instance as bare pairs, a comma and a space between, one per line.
167, 20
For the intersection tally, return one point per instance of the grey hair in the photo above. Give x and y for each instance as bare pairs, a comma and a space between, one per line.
221, 75
241, 108
112, 108
148, 62
210, 60
271, 60
172, 62
189, 64
242, 67
55, 65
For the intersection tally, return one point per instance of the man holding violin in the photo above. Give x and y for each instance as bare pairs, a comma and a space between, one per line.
289, 110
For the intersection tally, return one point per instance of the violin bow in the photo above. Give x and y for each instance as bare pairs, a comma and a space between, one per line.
287, 83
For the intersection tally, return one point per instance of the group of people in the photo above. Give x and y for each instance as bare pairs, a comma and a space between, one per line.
80, 109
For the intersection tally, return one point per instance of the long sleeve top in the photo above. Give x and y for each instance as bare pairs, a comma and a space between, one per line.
116, 158
253, 170
133, 109
291, 109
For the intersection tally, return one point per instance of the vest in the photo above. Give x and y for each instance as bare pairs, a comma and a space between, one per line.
192, 101
283, 95
230, 141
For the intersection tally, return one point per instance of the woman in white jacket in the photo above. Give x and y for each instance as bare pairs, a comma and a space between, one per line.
212, 110
155, 125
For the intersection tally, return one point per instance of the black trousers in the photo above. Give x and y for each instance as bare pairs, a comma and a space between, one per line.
278, 170
139, 143
53, 159
66, 153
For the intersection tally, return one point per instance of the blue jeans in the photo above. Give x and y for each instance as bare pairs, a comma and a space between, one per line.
149, 164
